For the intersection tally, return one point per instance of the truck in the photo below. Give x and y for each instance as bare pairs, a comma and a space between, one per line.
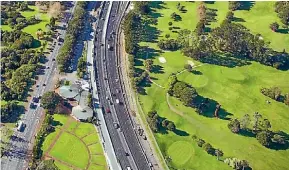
20, 125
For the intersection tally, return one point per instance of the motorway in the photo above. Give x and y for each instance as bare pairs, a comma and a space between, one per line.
125, 142
21, 143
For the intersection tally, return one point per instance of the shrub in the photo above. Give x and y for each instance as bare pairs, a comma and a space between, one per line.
264, 138
170, 23
208, 148
234, 125
200, 142
274, 26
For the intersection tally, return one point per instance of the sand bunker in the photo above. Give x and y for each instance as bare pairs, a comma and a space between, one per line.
191, 63
162, 59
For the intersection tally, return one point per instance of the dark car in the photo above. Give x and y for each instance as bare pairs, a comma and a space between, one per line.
35, 99
107, 110
44, 84
53, 59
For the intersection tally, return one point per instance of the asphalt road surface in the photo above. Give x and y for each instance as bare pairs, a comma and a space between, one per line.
127, 147
20, 144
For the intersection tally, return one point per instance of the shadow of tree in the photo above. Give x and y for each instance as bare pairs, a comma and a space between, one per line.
283, 31
246, 5
157, 69
247, 133
181, 132
207, 107
236, 19
197, 72
285, 146
225, 60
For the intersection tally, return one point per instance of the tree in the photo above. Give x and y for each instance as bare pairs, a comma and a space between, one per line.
52, 22
171, 82
202, 11
245, 122
244, 164
279, 139
218, 107
230, 16
149, 64
234, 5
264, 138
234, 125
184, 92
89, 100
50, 100
167, 35
39, 33
273, 92
170, 23
274, 26
256, 121
47, 165
208, 148
142, 7
188, 67
265, 125
200, 28
171, 126
200, 142
286, 100
218, 153
165, 123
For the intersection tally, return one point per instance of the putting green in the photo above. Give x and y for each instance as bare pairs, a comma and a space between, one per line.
180, 152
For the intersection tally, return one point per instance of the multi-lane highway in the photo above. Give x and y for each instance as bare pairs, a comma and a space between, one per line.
21, 143
126, 145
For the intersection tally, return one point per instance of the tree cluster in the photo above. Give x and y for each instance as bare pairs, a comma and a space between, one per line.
156, 122
9, 110
208, 147
18, 40
235, 39
258, 126
131, 21
181, 90
47, 165
142, 7
282, 8
45, 129
237, 164
273, 92
74, 30
169, 44
81, 67
50, 100
234, 5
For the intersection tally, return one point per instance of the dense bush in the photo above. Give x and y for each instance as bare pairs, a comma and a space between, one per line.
170, 44
234, 125
282, 8
74, 30
273, 92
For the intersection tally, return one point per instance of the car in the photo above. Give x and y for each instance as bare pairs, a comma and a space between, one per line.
150, 164
107, 98
32, 106
108, 110
35, 99
47, 67
37, 85
53, 59
115, 125
44, 84
126, 154
105, 78
117, 90
117, 101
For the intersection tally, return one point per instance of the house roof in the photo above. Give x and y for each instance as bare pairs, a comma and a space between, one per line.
68, 92
82, 112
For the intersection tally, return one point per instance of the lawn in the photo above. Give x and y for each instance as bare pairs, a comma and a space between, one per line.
68, 146
237, 89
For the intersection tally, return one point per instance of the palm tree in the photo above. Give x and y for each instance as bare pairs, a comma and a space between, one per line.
219, 153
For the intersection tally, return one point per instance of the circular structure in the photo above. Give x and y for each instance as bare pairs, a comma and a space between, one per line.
67, 149
180, 152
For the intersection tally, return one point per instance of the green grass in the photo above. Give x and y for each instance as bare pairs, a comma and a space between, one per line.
6, 28
92, 138
258, 20
84, 129
98, 159
68, 149
72, 126
62, 166
49, 139
236, 89
95, 149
